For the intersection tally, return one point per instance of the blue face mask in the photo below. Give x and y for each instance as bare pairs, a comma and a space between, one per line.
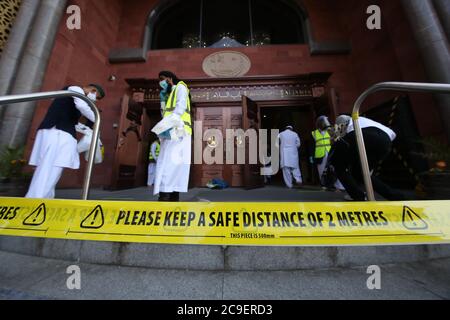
163, 84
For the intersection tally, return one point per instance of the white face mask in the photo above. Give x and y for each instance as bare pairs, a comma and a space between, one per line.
92, 96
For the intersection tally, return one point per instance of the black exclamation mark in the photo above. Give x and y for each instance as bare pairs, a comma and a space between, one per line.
37, 215
94, 220
95, 217
412, 218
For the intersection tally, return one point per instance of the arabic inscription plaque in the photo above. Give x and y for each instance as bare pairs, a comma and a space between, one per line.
226, 64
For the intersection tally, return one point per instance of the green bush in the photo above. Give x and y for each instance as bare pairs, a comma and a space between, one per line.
12, 162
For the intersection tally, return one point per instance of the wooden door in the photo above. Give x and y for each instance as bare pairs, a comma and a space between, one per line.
211, 118
129, 169
219, 118
251, 120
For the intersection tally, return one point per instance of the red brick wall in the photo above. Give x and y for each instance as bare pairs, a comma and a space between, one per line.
389, 54
82, 56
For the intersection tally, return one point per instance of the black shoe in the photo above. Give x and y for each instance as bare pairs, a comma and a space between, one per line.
175, 197
298, 185
164, 197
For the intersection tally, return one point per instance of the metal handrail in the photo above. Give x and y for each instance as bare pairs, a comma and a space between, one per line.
62, 94
392, 86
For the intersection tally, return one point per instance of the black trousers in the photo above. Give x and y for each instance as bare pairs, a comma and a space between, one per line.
345, 159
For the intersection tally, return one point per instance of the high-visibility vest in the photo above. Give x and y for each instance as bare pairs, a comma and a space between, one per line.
323, 143
158, 149
170, 108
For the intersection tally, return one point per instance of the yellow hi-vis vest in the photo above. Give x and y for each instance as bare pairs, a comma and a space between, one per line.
170, 108
158, 149
323, 143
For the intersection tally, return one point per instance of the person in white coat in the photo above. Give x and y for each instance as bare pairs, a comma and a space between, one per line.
290, 143
174, 161
153, 159
55, 147
322, 148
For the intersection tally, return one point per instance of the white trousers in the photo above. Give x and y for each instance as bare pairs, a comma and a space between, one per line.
289, 173
151, 173
44, 181
321, 169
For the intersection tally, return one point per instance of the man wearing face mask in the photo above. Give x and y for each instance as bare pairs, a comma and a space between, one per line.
55, 147
321, 149
164, 95
174, 161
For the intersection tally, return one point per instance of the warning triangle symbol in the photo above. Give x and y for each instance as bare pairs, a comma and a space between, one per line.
413, 221
37, 217
94, 220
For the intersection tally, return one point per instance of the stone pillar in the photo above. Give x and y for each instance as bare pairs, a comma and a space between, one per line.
30, 74
443, 11
434, 48
14, 48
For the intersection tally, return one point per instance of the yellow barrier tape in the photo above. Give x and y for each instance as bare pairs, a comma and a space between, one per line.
277, 224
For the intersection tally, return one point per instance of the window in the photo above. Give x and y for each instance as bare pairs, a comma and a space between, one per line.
230, 23
179, 26
275, 23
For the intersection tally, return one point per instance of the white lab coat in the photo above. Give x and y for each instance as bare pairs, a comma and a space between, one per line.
53, 151
289, 145
321, 168
151, 173
152, 165
174, 162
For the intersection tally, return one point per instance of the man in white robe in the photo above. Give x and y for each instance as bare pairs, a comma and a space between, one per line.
174, 161
55, 147
289, 147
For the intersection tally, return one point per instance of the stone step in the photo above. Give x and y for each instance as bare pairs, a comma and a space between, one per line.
218, 258
31, 278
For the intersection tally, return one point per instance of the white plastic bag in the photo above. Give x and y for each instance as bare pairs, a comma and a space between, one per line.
171, 126
99, 153
85, 144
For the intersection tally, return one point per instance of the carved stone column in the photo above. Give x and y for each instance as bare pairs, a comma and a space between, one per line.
434, 48
15, 45
31, 71
443, 11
